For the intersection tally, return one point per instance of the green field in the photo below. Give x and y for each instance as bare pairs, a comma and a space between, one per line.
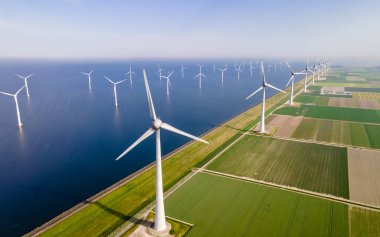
308, 99
335, 113
307, 166
364, 223
220, 206
340, 132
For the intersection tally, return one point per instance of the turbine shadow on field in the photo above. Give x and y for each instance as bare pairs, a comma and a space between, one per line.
120, 215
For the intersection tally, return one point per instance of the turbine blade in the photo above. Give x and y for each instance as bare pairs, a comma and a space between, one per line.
291, 78
254, 92
290, 68
149, 132
175, 130
120, 81
150, 101
19, 90
20, 76
109, 80
91, 71
6, 93
171, 73
29, 75
269, 85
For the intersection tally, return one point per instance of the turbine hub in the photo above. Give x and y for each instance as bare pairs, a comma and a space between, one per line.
156, 124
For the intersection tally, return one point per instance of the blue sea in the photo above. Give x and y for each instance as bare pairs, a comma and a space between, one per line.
65, 152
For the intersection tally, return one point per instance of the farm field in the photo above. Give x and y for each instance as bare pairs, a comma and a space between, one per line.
334, 113
335, 101
364, 222
233, 207
308, 99
330, 131
308, 166
366, 95
364, 176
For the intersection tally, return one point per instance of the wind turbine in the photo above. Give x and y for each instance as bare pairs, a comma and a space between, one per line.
130, 74
306, 72
222, 71
291, 80
251, 67
264, 85
182, 71
168, 84
157, 125
114, 88
25, 83
214, 68
89, 78
238, 69
16, 101
200, 75
160, 71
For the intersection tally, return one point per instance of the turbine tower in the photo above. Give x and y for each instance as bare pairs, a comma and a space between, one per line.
89, 77
157, 125
292, 81
130, 74
306, 72
168, 84
16, 101
25, 83
214, 68
200, 75
182, 71
264, 85
222, 71
114, 88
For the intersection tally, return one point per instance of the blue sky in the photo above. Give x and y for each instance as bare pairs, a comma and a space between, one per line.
190, 29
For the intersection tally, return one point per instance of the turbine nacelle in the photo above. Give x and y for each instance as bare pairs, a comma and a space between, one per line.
156, 124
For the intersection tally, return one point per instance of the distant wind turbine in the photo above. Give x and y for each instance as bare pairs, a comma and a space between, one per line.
25, 83
222, 71
89, 77
16, 101
182, 71
130, 74
214, 68
160, 71
200, 75
114, 88
157, 125
306, 72
292, 81
251, 67
238, 69
264, 85
168, 84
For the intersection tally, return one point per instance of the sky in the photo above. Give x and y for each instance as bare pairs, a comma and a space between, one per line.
342, 29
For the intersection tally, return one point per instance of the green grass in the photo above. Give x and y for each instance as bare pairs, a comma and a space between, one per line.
220, 206
308, 166
335, 113
364, 223
316, 100
340, 132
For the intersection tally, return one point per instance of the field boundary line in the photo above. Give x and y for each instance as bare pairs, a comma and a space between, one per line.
309, 141
294, 189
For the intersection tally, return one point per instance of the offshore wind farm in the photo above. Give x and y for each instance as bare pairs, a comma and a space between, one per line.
118, 120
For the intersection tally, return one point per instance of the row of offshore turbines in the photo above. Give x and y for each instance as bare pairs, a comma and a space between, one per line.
160, 224
318, 69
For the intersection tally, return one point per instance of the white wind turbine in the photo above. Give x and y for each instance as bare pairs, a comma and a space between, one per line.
182, 71
114, 88
130, 74
89, 77
262, 87
306, 72
222, 71
292, 81
200, 75
251, 67
168, 84
25, 83
238, 69
214, 68
160, 71
157, 124
16, 101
